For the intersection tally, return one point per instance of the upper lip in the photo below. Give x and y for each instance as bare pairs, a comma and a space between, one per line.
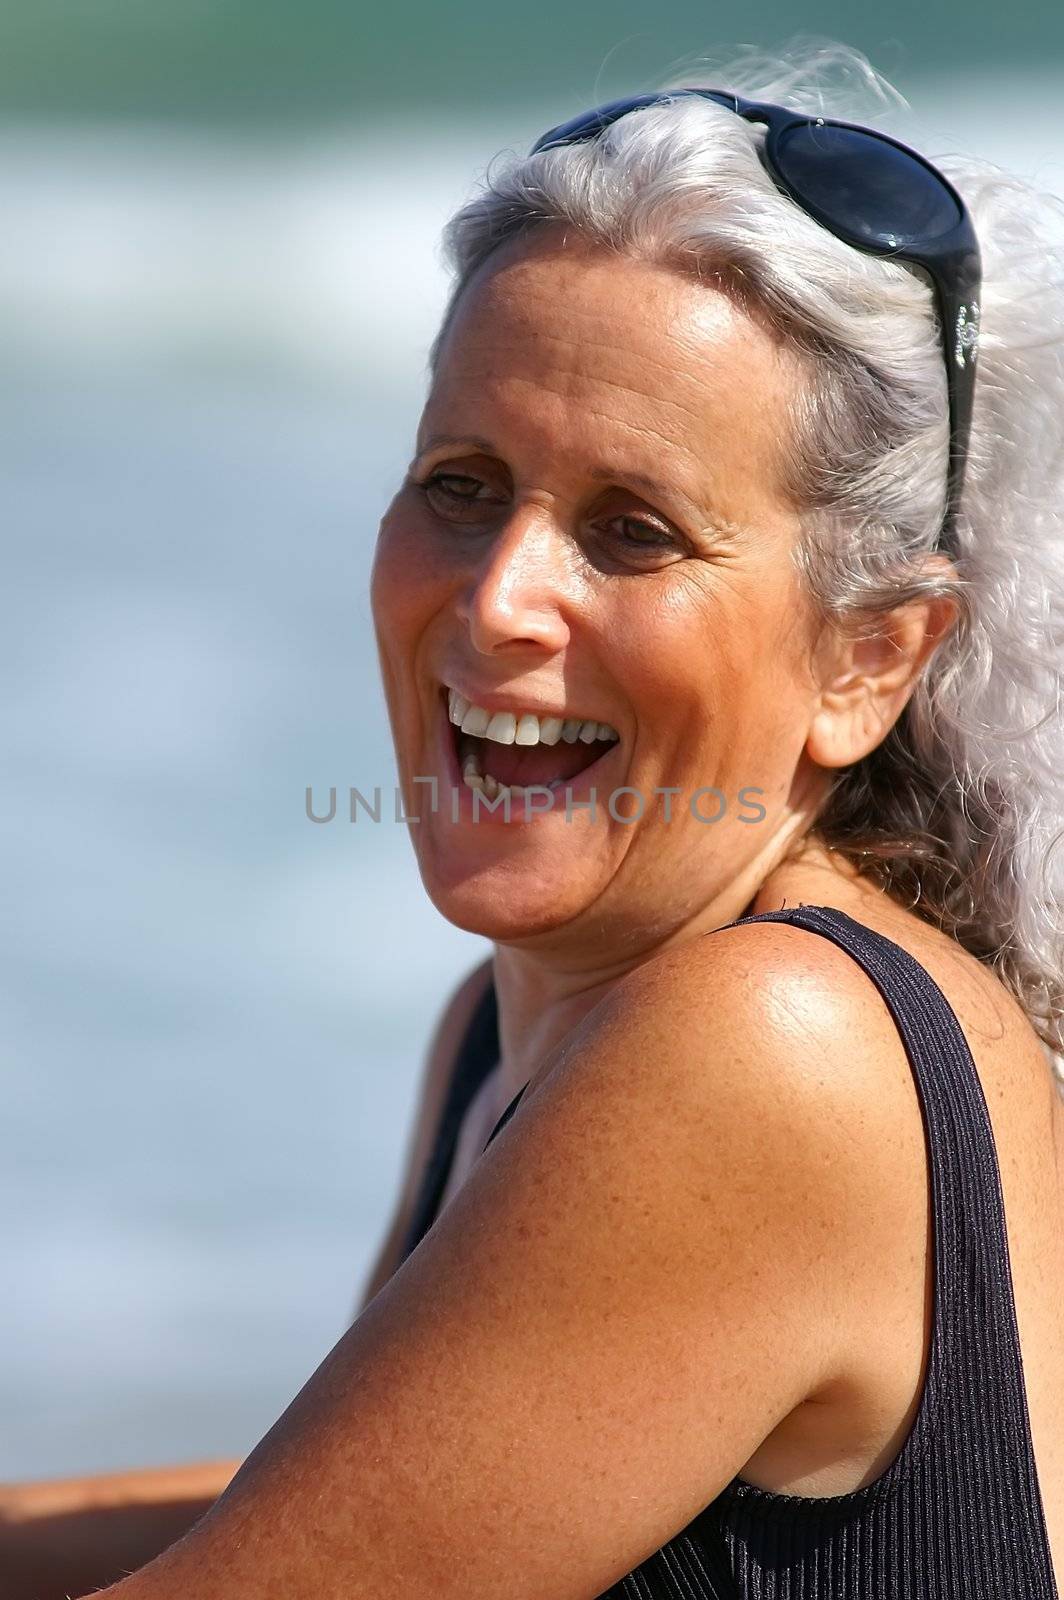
492, 701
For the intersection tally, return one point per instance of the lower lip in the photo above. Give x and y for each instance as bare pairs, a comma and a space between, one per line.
579, 789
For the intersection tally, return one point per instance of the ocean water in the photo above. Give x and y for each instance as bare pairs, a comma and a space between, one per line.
214, 1011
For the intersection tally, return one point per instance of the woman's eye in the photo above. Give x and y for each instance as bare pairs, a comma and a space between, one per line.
458, 496
452, 492
631, 533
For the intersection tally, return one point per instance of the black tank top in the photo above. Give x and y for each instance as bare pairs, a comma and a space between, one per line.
958, 1513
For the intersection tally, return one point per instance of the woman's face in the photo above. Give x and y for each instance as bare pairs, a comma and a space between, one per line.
593, 528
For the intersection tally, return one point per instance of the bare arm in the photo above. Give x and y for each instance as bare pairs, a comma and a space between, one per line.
629, 1293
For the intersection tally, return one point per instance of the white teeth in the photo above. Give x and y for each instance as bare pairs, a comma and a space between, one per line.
490, 786
476, 721
525, 728
457, 707
502, 727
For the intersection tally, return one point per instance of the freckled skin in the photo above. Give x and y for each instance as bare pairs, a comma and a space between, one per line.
567, 375
571, 361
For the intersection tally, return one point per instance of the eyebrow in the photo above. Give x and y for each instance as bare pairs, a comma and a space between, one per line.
652, 486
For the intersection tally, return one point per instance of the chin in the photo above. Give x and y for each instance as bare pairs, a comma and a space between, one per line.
504, 900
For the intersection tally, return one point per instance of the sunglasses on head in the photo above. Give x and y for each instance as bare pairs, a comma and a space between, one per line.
875, 194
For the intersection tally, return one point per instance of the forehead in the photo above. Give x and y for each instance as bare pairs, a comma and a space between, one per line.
563, 346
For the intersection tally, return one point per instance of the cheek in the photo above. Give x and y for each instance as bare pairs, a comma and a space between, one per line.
407, 583
716, 659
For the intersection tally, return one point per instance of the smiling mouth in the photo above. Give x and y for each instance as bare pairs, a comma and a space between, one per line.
552, 752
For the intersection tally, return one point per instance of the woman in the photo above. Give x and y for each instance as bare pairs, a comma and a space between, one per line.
734, 724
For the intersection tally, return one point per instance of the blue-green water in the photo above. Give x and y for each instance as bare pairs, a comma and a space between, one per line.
273, 63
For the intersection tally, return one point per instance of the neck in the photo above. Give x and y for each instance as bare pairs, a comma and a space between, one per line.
541, 1000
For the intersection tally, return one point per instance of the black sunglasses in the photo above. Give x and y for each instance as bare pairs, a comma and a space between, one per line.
877, 195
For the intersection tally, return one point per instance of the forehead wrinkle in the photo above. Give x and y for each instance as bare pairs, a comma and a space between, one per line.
693, 323
584, 342
509, 377
702, 399
647, 359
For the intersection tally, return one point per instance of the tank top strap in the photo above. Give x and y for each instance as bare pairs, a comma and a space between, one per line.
477, 1054
974, 1356
507, 1114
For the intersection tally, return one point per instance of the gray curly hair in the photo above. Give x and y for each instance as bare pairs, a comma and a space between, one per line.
959, 812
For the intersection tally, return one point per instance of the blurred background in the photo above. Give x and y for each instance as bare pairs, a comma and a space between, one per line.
218, 280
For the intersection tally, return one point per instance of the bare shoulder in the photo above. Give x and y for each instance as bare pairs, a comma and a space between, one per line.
762, 1008
738, 1094
787, 1036
760, 1064
646, 1274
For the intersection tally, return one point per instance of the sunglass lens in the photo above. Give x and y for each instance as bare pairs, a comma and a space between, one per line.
883, 197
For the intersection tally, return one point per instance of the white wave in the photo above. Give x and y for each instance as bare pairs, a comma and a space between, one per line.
147, 245
141, 245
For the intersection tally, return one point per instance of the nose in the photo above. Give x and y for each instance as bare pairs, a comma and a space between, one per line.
520, 591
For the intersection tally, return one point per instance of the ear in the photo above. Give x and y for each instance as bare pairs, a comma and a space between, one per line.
867, 677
